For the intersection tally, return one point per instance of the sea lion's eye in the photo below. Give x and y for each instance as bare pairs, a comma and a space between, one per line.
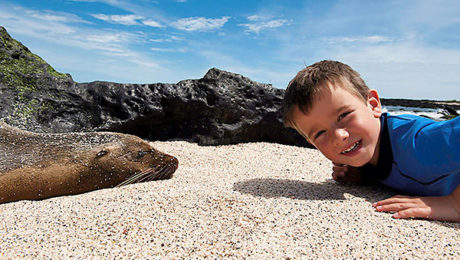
101, 153
142, 153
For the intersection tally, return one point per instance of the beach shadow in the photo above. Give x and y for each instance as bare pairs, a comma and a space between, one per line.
328, 190
304, 190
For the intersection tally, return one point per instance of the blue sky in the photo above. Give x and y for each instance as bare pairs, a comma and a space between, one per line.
402, 48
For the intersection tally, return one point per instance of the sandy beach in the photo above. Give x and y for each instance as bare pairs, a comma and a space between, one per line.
255, 200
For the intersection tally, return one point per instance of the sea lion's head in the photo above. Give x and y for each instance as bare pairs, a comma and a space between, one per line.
131, 160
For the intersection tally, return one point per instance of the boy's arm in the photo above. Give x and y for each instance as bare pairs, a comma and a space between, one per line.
423, 154
440, 208
346, 174
352, 175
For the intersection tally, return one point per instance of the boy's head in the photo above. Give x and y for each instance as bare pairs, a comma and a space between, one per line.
331, 106
307, 85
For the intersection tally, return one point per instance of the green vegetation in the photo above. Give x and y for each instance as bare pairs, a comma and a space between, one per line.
26, 109
25, 73
21, 68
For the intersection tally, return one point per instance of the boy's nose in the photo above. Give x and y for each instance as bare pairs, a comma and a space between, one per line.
340, 135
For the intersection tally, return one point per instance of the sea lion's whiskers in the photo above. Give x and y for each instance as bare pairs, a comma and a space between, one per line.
166, 170
138, 176
149, 175
135, 177
159, 174
146, 177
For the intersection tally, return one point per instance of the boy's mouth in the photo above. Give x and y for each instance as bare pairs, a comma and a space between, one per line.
352, 148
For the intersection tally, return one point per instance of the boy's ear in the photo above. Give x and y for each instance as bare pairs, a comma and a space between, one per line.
373, 101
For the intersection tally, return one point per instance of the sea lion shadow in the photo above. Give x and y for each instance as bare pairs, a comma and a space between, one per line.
304, 190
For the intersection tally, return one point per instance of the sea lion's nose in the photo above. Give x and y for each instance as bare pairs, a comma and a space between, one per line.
174, 162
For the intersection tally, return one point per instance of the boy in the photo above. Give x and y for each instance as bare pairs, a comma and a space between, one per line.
331, 106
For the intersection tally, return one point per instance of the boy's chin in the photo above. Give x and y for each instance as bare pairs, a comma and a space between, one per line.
359, 160
353, 164
358, 163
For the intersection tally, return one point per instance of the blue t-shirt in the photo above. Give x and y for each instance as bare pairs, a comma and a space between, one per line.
419, 156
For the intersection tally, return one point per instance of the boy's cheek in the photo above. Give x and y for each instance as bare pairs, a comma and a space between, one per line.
323, 149
327, 154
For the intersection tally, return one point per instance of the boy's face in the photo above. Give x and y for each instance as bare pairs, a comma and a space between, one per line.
342, 126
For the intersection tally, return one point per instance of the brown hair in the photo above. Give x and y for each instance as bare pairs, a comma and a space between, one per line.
306, 86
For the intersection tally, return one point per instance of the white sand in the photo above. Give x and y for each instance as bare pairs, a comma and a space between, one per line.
242, 201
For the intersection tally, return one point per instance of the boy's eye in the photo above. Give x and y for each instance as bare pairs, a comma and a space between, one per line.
319, 134
343, 115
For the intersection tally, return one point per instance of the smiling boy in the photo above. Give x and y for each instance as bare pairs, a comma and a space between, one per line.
332, 107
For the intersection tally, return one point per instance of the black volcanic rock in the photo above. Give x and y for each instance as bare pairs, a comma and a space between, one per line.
220, 108
27, 83
448, 105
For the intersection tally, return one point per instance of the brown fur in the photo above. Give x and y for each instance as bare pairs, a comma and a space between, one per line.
37, 166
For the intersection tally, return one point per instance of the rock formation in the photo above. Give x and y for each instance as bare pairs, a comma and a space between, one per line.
26, 82
220, 108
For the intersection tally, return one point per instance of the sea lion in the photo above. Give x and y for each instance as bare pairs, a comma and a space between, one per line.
37, 166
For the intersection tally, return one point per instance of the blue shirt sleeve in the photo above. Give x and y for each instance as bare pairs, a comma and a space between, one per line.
426, 150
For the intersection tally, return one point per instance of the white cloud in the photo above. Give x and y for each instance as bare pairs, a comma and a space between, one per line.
129, 19
405, 69
55, 30
363, 39
200, 23
106, 43
169, 39
376, 38
109, 37
263, 25
55, 16
169, 50
152, 23
255, 18
35, 23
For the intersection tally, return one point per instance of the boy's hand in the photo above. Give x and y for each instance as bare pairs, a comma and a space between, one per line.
346, 174
441, 208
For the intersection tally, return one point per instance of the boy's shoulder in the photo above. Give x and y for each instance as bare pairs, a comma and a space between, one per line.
416, 138
422, 152
407, 137
407, 117
406, 122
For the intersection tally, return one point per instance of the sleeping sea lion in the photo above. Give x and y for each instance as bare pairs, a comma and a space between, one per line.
37, 166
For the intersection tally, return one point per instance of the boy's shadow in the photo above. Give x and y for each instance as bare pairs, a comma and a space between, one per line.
304, 190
